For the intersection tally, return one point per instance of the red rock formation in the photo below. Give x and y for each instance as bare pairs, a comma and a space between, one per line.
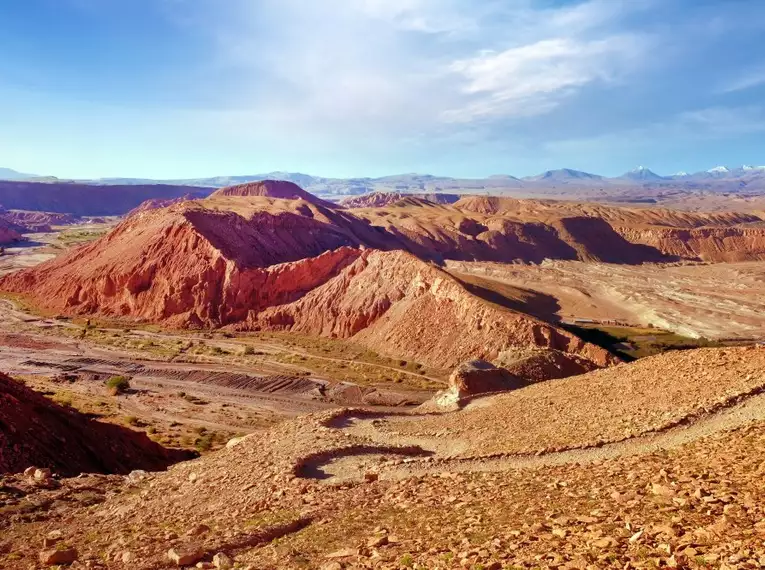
629, 235
35, 431
259, 262
157, 203
8, 232
382, 199
190, 265
271, 189
23, 222
400, 305
714, 244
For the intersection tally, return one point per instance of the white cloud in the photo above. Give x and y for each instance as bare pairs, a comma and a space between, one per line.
409, 67
532, 79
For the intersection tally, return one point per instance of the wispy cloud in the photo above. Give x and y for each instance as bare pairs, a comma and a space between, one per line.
534, 78
415, 65
751, 78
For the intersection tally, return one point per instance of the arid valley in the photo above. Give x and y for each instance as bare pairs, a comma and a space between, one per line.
382, 285
262, 378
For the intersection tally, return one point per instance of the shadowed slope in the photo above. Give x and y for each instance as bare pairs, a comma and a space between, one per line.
35, 431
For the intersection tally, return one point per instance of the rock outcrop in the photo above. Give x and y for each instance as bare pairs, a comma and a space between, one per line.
31, 221
8, 232
36, 431
473, 378
271, 189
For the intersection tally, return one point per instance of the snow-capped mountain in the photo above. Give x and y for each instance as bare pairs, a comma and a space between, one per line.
643, 174
563, 175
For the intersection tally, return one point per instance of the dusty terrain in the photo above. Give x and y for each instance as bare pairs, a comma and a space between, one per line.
716, 301
285, 341
343, 490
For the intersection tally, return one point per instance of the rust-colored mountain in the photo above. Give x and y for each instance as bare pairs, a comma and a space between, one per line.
257, 262
381, 199
719, 236
271, 189
246, 259
36, 432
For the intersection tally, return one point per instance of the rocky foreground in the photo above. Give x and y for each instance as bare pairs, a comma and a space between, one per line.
319, 493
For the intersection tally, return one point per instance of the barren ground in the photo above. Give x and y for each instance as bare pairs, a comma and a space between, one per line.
716, 301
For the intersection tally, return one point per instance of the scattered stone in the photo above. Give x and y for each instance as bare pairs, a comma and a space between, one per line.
377, 541
344, 553
185, 555
199, 529
222, 561
58, 556
371, 476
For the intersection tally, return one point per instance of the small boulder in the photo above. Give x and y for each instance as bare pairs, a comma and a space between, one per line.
58, 556
472, 378
371, 476
222, 561
42, 475
186, 555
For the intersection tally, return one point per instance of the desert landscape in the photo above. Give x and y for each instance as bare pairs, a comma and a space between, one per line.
328, 373
379, 285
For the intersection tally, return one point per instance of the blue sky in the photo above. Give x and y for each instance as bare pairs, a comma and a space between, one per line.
189, 88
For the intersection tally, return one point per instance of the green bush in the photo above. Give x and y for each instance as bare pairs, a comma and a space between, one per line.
118, 384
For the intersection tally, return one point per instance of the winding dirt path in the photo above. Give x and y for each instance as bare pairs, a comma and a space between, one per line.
451, 455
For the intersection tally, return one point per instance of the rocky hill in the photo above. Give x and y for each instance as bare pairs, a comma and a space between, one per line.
720, 236
256, 262
393, 302
9, 232
37, 432
270, 189
381, 199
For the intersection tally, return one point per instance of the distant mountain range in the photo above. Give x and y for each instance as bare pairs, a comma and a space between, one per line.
8, 174
718, 179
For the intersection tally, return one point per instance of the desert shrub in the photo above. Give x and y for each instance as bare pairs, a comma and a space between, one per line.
248, 350
204, 442
131, 421
118, 384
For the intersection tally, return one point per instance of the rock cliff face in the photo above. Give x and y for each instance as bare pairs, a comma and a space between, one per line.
9, 232
629, 235
714, 244
35, 431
